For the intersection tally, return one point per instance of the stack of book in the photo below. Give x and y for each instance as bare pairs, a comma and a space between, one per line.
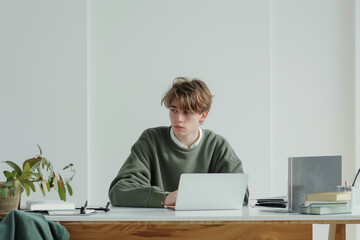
326, 203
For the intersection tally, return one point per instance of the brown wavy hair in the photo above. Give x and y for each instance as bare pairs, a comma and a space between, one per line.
190, 95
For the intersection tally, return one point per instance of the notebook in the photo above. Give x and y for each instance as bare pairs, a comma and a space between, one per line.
211, 191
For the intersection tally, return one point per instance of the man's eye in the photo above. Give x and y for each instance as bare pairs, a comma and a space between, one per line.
173, 110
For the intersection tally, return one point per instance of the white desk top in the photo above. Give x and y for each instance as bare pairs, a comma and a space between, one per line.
161, 214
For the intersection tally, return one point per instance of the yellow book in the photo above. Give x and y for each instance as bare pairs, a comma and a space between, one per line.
329, 196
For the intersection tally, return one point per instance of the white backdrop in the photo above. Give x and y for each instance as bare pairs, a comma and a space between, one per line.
313, 86
313, 82
84, 78
43, 87
138, 47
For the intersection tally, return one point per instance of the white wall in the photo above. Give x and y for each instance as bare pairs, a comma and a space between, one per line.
357, 82
43, 86
313, 82
313, 109
357, 93
138, 47
283, 75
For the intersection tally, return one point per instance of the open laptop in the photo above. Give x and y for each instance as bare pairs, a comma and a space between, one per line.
211, 191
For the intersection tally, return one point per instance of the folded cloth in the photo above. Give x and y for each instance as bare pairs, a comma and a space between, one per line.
30, 226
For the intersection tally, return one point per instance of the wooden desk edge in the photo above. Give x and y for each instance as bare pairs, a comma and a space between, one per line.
217, 222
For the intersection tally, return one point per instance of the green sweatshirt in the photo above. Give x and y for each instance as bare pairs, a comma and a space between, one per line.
31, 226
155, 164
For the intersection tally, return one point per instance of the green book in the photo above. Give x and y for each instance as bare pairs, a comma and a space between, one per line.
319, 209
325, 203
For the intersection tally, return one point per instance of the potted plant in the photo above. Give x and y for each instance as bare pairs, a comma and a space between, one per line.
34, 170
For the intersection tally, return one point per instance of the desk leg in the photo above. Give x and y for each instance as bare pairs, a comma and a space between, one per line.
337, 232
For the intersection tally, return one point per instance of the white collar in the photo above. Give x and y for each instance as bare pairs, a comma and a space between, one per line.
180, 144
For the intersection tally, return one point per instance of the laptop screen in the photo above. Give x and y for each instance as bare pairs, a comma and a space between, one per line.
211, 191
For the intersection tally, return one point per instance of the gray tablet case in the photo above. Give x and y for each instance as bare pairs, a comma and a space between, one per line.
311, 175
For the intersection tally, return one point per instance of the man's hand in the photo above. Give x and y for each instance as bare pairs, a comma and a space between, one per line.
170, 199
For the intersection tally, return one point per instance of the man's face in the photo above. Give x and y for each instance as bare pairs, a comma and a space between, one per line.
185, 124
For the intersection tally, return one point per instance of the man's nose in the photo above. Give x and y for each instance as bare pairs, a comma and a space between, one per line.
180, 117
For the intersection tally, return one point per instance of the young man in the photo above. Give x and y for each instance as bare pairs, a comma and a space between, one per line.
151, 174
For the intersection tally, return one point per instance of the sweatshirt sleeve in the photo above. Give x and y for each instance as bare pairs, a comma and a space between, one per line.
132, 186
228, 162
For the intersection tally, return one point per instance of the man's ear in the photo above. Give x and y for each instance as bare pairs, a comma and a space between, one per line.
203, 116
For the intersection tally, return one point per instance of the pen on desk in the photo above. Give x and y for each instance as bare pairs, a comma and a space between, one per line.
357, 174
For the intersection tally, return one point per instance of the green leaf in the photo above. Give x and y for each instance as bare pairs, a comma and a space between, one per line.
42, 189
62, 192
48, 186
16, 185
39, 149
15, 167
26, 167
35, 175
50, 181
32, 186
32, 162
69, 188
8, 184
30, 176
5, 192
1, 191
61, 181
56, 183
70, 165
49, 166
21, 186
27, 189
8, 174
35, 166
44, 162
43, 184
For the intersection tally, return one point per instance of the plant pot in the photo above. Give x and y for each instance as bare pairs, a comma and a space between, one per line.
11, 202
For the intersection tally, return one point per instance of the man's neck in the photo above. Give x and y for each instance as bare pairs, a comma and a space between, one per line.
187, 141
192, 142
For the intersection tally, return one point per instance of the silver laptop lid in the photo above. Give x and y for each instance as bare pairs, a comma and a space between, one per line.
211, 191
